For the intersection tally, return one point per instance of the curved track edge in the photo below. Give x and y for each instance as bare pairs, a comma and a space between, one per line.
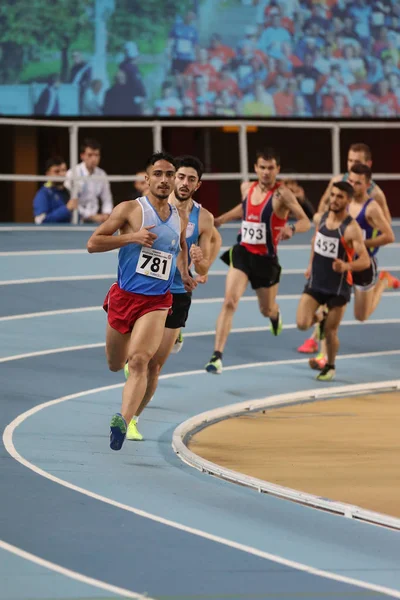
187, 429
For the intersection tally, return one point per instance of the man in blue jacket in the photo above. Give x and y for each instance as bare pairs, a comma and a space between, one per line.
52, 203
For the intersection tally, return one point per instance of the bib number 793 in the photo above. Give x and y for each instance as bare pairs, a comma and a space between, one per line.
254, 233
154, 263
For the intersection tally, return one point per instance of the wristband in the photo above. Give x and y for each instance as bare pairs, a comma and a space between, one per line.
293, 228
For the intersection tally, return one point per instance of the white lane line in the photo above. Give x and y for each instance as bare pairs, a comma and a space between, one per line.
66, 278
113, 276
67, 311
192, 334
45, 228
9, 445
51, 313
102, 585
44, 252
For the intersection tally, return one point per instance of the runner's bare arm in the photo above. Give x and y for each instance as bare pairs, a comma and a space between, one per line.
289, 201
200, 254
353, 236
182, 261
216, 243
307, 273
379, 196
324, 202
103, 238
378, 221
231, 215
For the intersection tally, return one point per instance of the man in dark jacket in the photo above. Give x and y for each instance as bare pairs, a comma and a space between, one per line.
134, 81
48, 103
52, 203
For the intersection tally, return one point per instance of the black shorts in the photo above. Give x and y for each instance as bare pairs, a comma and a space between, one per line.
180, 311
331, 300
262, 271
366, 280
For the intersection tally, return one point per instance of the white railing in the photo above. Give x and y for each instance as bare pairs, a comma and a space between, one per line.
158, 126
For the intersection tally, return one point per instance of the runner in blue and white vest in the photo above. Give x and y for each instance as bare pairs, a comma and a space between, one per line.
203, 242
151, 243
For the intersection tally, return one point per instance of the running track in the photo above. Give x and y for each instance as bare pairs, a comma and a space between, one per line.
78, 521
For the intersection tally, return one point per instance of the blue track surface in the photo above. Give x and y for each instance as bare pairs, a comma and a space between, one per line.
114, 545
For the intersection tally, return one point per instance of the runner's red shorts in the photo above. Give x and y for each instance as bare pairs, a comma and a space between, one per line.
125, 308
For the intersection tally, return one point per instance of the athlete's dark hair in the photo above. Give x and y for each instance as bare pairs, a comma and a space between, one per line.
269, 154
345, 187
362, 148
55, 161
360, 169
90, 143
160, 156
188, 160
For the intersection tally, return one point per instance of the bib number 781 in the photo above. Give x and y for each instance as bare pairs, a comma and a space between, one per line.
154, 263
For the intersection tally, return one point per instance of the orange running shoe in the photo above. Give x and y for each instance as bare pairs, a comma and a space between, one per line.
309, 347
318, 362
393, 282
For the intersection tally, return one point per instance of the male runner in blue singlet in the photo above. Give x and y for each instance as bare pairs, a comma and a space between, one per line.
200, 234
151, 241
329, 273
377, 232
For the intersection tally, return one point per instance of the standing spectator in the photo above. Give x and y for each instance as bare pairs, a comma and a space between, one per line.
92, 101
133, 79
81, 75
52, 203
91, 192
118, 99
182, 44
48, 103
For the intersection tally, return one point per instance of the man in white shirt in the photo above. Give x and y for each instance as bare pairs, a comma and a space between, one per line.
94, 195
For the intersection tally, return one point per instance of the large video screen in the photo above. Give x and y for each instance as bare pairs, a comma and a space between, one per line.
200, 58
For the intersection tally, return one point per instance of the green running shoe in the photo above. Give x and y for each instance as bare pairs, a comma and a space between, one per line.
327, 374
214, 366
276, 325
133, 434
126, 371
178, 344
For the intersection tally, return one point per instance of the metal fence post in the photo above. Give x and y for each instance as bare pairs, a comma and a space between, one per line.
157, 137
243, 152
335, 131
73, 161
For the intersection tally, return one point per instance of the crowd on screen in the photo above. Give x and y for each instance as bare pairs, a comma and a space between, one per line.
307, 58
329, 58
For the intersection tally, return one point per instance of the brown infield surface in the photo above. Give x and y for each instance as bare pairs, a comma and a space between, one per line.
345, 449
